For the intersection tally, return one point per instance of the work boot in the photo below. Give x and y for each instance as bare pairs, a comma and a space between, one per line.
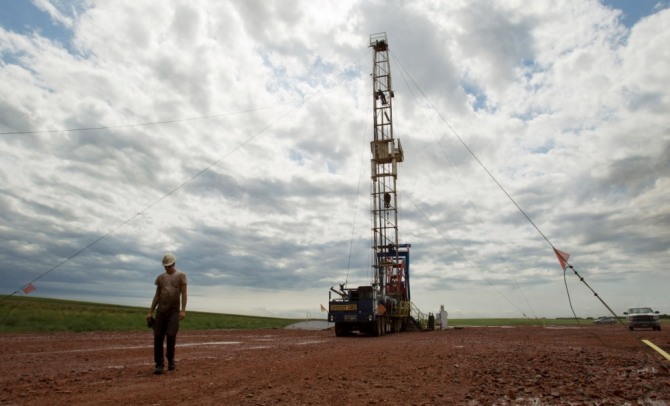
158, 370
171, 366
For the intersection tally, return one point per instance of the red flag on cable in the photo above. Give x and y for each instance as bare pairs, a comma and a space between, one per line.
29, 288
323, 309
562, 257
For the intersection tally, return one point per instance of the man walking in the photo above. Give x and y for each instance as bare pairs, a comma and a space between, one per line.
170, 287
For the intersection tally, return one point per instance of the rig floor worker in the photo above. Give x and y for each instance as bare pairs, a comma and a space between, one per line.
170, 288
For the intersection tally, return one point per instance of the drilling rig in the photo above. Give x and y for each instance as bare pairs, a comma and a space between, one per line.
385, 305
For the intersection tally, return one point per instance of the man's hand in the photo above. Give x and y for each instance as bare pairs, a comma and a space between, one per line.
150, 321
182, 315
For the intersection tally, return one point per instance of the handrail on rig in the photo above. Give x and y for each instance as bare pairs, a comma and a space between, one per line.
379, 40
420, 317
402, 309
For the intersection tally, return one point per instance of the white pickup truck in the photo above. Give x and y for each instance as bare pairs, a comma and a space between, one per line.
642, 317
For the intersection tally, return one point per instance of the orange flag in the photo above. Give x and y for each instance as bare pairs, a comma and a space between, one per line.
29, 288
562, 257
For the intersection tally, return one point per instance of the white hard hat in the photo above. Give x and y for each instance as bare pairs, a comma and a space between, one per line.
169, 259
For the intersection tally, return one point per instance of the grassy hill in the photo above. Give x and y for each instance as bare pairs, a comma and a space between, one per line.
30, 314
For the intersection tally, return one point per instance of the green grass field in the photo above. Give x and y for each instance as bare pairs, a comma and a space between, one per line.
30, 314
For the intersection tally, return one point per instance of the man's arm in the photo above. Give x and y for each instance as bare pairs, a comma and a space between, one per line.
184, 296
154, 302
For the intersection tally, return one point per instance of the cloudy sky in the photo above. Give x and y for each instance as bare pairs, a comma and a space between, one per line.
236, 135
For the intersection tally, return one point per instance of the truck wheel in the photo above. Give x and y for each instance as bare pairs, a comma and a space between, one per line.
396, 326
378, 328
341, 330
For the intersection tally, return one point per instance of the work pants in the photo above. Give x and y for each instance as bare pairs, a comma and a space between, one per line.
166, 326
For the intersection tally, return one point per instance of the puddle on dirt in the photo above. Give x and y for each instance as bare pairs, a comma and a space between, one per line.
137, 347
562, 328
539, 402
210, 343
641, 371
306, 342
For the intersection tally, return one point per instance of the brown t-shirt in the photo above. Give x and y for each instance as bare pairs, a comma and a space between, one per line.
170, 290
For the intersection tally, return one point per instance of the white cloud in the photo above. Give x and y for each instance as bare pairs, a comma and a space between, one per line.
564, 105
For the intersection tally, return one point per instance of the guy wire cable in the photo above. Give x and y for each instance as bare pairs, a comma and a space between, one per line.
473, 266
568, 265
174, 190
154, 203
358, 194
404, 72
493, 178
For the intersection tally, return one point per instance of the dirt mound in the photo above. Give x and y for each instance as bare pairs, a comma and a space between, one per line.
476, 366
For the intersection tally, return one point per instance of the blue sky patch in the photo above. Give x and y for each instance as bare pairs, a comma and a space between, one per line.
635, 10
22, 17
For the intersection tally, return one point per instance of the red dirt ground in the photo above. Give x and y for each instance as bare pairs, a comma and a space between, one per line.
592, 365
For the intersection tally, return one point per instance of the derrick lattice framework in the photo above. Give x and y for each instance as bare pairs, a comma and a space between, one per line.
388, 267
